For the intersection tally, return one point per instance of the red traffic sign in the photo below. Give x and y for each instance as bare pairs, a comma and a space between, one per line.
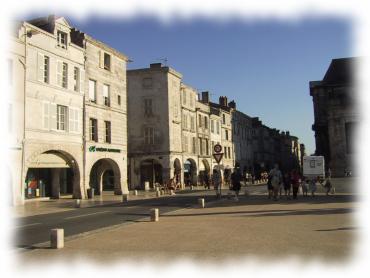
217, 148
218, 157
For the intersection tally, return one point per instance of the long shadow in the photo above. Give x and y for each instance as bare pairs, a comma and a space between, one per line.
263, 213
338, 229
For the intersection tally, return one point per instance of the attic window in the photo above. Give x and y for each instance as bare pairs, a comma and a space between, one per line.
62, 39
106, 61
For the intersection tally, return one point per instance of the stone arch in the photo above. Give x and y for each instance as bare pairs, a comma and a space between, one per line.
190, 172
105, 175
177, 170
51, 172
151, 170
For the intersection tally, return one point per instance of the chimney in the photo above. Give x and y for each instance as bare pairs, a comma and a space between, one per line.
232, 104
288, 133
156, 66
223, 101
205, 97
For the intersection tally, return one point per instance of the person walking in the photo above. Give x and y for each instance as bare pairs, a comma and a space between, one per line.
294, 180
276, 179
235, 180
287, 185
216, 180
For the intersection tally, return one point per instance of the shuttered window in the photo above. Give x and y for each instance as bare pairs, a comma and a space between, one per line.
92, 90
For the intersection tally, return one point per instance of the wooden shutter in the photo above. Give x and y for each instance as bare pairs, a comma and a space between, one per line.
40, 67
59, 73
82, 79
53, 116
92, 89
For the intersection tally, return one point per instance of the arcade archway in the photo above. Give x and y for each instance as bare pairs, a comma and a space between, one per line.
52, 174
190, 172
150, 171
105, 176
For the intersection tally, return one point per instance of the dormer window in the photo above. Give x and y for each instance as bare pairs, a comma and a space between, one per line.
62, 39
106, 61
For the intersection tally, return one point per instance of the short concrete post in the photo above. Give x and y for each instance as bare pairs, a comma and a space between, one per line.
158, 193
57, 238
124, 198
201, 202
154, 215
77, 203
135, 192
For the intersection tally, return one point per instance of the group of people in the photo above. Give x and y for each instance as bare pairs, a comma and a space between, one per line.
292, 182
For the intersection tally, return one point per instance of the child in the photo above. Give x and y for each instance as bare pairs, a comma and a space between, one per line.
305, 184
313, 187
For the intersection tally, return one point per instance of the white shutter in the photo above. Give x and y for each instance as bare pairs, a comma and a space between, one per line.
105, 91
40, 67
59, 73
53, 116
71, 118
77, 121
101, 58
92, 85
82, 79
45, 115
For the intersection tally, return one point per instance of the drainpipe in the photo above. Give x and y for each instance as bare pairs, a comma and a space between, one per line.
84, 128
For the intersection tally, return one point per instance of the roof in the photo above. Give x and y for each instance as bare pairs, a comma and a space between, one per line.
340, 71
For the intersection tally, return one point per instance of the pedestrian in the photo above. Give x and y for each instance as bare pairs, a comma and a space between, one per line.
287, 185
294, 180
313, 187
305, 185
206, 181
269, 187
235, 180
276, 179
216, 180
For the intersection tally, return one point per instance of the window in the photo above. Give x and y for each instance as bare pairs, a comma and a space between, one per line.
76, 79
223, 119
228, 152
185, 144
73, 119
148, 107
62, 39
200, 146
61, 117
207, 147
107, 61
92, 90
119, 99
46, 69
65, 76
205, 122
192, 125
106, 95
226, 134
93, 128
225, 152
200, 121
194, 145
149, 136
212, 126
10, 71
218, 127
107, 132
147, 82
184, 98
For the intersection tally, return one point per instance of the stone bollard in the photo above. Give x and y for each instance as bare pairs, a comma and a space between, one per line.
77, 203
135, 192
158, 193
154, 215
192, 187
57, 238
124, 198
201, 202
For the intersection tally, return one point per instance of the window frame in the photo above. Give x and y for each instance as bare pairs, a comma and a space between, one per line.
60, 115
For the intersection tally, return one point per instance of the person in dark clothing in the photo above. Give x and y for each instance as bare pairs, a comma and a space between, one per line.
236, 178
294, 180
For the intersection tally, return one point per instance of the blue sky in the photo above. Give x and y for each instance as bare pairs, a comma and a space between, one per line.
264, 65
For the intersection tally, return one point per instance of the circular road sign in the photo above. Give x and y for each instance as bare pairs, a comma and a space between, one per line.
217, 148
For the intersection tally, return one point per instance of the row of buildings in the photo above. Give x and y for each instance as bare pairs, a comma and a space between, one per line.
78, 119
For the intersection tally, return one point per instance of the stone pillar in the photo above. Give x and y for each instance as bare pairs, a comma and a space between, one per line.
57, 238
55, 183
154, 215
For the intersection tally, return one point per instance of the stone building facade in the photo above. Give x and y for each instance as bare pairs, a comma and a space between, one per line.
154, 143
336, 116
105, 117
50, 65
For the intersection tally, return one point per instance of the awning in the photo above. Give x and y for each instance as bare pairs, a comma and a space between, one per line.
49, 160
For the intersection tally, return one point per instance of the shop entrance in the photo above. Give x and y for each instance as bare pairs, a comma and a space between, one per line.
105, 176
151, 171
52, 174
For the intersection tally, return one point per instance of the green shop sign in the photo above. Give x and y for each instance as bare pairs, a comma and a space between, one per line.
95, 149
